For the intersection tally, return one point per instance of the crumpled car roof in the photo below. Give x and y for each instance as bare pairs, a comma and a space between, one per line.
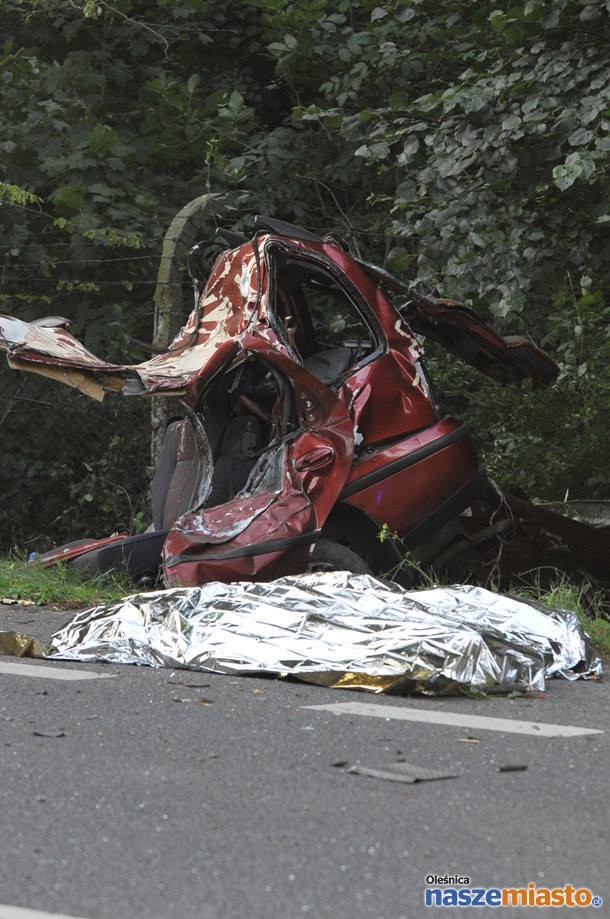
226, 308
235, 300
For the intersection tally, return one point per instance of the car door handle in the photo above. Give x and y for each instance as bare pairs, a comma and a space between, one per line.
315, 460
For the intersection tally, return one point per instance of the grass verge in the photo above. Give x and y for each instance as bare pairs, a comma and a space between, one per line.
31, 582
590, 606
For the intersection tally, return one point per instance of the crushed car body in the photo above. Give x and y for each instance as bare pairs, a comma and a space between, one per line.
305, 422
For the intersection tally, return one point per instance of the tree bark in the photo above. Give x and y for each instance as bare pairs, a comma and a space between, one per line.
196, 219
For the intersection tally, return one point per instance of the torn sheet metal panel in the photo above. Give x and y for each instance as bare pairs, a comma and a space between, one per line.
590, 543
233, 297
594, 513
338, 629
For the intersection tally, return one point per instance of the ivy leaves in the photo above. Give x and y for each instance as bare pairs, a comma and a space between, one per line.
472, 124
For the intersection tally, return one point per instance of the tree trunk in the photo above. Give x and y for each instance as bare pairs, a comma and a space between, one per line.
196, 219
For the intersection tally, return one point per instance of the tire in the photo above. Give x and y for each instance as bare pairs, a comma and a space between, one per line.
329, 555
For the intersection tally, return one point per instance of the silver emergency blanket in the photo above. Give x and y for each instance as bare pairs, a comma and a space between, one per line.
338, 629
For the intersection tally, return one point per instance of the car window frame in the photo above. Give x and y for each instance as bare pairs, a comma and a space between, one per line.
274, 250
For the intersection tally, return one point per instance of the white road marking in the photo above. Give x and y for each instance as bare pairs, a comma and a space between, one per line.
453, 719
50, 672
19, 912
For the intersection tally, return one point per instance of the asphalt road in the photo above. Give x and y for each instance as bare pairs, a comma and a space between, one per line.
162, 794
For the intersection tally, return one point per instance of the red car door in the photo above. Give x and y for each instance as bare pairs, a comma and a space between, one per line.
268, 531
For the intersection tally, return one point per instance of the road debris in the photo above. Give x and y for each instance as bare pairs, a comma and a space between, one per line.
402, 772
18, 644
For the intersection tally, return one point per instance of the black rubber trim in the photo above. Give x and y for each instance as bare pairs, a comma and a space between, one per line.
403, 462
259, 548
453, 505
283, 228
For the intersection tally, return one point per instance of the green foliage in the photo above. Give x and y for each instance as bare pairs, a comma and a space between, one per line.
109, 111
483, 134
31, 582
552, 441
466, 146
599, 632
556, 591
107, 117
13, 194
76, 468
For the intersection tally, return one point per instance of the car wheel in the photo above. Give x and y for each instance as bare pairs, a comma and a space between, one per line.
329, 555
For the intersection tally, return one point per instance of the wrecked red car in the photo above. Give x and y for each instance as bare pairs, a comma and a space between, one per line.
305, 421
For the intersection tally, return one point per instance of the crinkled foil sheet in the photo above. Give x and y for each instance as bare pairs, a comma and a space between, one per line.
338, 629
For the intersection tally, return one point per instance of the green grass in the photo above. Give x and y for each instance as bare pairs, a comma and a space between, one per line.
591, 607
60, 584
599, 631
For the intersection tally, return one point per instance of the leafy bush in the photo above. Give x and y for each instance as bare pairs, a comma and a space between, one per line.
547, 441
